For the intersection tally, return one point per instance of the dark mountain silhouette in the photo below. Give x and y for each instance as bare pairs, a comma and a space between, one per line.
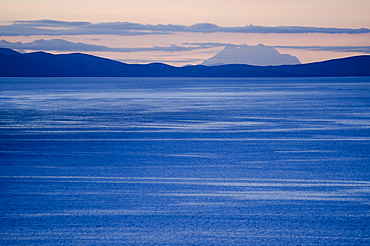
41, 64
4, 51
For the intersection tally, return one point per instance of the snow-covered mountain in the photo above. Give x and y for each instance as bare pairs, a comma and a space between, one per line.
259, 55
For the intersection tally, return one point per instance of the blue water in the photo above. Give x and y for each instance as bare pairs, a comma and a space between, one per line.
174, 161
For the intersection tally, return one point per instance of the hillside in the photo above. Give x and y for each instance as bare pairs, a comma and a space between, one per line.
41, 64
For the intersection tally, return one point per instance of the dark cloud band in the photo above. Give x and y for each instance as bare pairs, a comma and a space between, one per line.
54, 27
63, 45
360, 49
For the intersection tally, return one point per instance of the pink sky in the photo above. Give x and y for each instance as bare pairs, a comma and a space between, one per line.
350, 14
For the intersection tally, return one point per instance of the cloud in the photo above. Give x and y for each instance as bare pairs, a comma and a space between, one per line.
58, 28
54, 27
210, 44
299, 29
66, 46
51, 23
167, 61
63, 45
361, 49
55, 45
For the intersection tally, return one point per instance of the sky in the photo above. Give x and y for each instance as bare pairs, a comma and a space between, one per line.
182, 32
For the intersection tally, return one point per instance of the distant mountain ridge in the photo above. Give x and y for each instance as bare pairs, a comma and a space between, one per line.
41, 64
259, 55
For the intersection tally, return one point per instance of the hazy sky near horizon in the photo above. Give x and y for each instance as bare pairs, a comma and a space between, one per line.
170, 30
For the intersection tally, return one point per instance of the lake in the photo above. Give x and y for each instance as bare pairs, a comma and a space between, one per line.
175, 161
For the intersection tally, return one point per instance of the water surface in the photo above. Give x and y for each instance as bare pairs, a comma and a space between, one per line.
195, 161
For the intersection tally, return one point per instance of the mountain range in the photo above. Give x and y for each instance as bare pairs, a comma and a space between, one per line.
41, 64
259, 55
